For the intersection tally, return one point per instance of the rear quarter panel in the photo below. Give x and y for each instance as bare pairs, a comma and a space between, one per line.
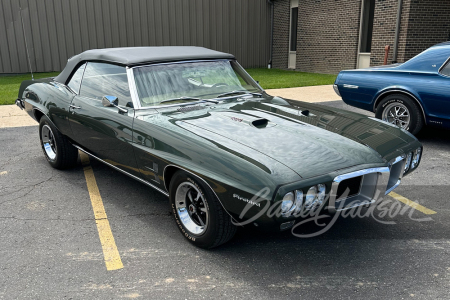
372, 84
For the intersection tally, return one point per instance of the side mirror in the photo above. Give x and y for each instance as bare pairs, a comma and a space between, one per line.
112, 101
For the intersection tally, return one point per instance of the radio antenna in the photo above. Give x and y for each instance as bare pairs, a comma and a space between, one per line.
26, 44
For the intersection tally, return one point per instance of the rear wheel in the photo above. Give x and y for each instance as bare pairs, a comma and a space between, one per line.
402, 111
56, 147
198, 213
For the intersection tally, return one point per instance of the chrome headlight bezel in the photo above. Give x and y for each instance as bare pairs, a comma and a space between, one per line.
287, 204
416, 158
313, 198
408, 161
321, 193
336, 89
298, 201
310, 197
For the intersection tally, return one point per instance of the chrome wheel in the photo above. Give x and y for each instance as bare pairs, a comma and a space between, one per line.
191, 208
48, 142
397, 114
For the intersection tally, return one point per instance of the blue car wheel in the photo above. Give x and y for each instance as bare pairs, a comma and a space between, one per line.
402, 111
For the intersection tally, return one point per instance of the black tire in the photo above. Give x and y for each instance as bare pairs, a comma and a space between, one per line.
219, 228
63, 155
416, 121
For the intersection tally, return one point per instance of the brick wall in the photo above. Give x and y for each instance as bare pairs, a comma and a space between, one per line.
424, 23
281, 34
328, 32
404, 24
384, 21
428, 24
327, 35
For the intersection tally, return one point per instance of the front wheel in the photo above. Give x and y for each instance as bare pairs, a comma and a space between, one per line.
57, 149
401, 110
198, 213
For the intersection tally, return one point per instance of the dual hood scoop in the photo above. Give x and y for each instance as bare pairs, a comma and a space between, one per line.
260, 123
247, 119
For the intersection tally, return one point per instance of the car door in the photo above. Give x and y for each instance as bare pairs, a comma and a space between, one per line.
105, 132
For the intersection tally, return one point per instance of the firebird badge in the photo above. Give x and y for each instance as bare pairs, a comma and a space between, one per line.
246, 200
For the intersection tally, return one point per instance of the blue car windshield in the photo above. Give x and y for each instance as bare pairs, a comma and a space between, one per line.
166, 84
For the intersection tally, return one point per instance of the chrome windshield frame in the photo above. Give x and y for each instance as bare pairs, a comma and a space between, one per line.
135, 95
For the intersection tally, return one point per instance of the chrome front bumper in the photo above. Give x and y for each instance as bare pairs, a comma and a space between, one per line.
375, 183
19, 103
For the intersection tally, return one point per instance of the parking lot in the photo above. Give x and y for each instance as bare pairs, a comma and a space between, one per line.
50, 246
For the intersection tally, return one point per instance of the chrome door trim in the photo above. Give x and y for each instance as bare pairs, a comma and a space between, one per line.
133, 90
122, 171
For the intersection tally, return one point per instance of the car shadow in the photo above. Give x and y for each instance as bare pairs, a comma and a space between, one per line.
269, 260
431, 134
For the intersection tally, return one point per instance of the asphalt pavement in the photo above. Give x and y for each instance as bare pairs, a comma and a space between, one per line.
50, 246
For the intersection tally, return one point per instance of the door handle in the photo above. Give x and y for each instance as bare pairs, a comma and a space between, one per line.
74, 106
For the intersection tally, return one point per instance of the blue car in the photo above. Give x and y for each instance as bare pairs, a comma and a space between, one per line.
409, 95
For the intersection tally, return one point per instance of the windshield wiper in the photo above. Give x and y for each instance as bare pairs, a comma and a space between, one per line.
232, 93
188, 99
180, 99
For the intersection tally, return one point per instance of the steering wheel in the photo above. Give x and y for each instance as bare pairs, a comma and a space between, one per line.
219, 84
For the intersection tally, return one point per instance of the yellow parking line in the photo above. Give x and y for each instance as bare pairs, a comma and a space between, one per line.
110, 252
413, 204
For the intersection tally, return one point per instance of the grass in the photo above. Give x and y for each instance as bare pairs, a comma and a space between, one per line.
268, 79
277, 79
9, 85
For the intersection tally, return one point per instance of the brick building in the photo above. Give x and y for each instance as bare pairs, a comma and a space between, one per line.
327, 36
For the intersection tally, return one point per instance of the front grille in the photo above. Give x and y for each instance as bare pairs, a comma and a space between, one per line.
349, 187
358, 188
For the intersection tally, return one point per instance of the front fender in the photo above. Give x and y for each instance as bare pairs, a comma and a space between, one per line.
49, 99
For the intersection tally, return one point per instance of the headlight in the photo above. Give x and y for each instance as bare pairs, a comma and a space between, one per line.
416, 158
320, 193
298, 202
292, 202
310, 197
408, 161
287, 203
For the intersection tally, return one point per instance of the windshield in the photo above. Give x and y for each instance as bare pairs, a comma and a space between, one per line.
187, 82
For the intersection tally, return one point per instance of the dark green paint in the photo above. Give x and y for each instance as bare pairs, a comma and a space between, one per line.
218, 142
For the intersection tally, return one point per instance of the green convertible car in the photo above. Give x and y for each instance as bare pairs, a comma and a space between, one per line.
191, 123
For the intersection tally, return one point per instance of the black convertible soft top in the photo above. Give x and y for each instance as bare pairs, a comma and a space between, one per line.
132, 56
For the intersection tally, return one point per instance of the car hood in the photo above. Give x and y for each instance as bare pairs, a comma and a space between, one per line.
323, 141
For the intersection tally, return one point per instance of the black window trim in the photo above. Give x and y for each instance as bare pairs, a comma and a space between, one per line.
73, 73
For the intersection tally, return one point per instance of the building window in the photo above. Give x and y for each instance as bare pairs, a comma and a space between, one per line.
294, 25
367, 25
